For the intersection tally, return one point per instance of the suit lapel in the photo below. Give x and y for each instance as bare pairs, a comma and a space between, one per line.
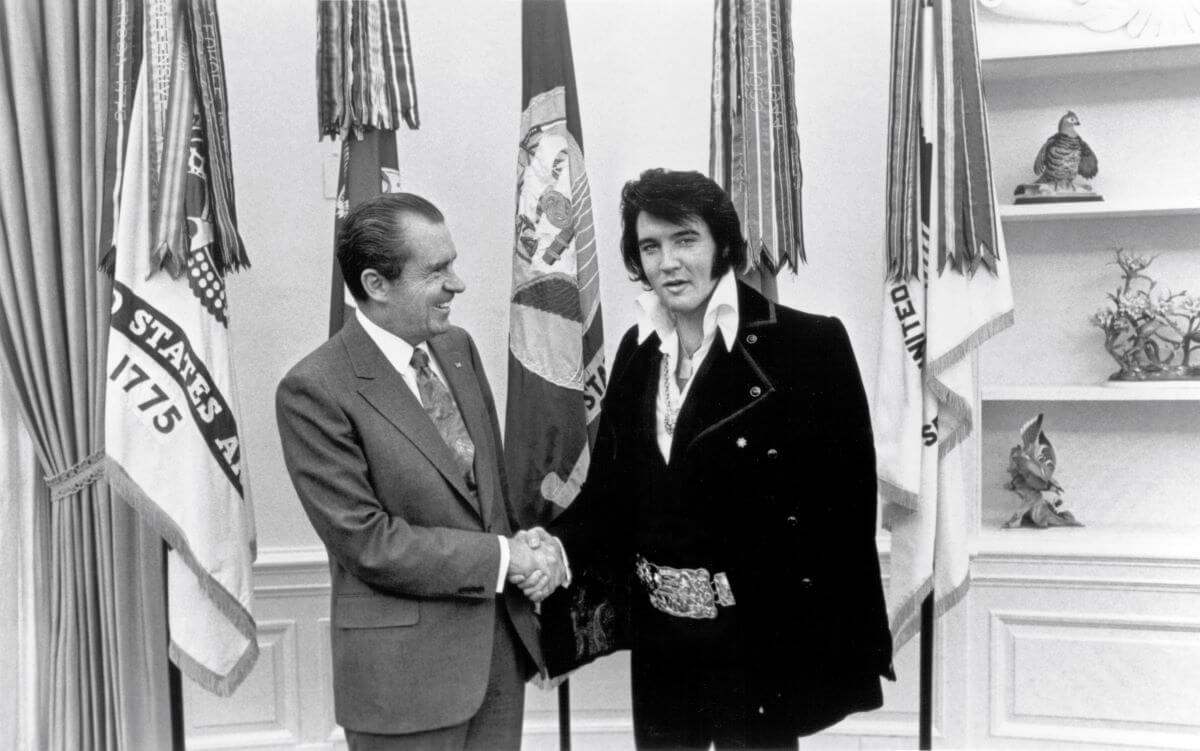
637, 387
729, 383
460, 377
385, 390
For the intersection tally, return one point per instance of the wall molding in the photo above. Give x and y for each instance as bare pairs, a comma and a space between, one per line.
275, 693
296, 571
1030, 581
1009, 630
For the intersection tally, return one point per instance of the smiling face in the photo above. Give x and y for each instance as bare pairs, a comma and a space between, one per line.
416, 305
678, 262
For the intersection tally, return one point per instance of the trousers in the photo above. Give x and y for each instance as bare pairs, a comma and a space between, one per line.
692, 686
497, 724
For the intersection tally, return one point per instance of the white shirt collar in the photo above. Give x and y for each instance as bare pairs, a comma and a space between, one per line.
721, 314
397, 351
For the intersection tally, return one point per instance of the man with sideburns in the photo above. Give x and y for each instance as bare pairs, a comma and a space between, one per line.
726, 529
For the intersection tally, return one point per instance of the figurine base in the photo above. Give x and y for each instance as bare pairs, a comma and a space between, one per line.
1041, 514
1027, 193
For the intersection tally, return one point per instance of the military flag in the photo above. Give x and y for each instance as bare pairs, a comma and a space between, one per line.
947, 291
365, 89
172, 431
556, 375
754, 146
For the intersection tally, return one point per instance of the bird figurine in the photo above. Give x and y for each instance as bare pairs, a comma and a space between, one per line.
1031, 466
1064, 156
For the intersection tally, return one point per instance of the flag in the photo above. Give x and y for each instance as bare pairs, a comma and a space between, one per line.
947, 292
556, 375
754, 145
367, 168
172, 432
365, 88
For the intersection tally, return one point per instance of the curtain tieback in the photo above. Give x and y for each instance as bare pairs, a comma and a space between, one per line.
76, 477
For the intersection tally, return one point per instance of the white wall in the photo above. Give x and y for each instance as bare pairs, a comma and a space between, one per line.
643, 74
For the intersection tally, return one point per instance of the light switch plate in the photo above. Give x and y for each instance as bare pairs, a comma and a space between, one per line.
329, 176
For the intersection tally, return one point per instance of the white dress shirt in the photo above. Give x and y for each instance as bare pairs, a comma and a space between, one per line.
399, 353
721, 315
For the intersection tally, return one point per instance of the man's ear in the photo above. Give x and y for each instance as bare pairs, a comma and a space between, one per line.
374, 285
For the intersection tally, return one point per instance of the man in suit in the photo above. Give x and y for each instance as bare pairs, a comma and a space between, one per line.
390, 435
726, 530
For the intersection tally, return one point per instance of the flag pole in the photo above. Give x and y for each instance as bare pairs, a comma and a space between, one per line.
925, 717
552, 414
174, 678
564, 716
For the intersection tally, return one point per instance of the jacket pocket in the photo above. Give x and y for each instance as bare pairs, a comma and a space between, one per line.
374, 611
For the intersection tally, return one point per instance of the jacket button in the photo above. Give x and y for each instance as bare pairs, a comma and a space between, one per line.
793, 522
772, 454
755, 391
751, 338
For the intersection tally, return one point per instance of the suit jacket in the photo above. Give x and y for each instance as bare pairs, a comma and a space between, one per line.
413, 554
773, 446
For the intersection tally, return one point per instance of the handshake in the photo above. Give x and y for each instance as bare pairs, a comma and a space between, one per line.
536, 563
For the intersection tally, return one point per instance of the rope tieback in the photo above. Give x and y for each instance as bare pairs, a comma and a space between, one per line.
76, 477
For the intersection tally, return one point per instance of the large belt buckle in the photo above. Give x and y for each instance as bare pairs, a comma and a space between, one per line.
684, 592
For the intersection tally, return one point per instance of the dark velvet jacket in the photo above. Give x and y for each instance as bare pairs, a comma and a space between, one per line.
773, 452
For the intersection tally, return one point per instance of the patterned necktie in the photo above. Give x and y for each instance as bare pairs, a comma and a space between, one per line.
445, 415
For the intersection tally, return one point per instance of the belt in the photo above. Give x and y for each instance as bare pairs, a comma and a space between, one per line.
684, 592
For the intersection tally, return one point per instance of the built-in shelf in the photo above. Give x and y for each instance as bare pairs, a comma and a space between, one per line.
1131, 209
1132, 392
1094, 542
1100, 58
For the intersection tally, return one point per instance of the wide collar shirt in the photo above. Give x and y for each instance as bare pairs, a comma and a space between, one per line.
720, 317
399, 354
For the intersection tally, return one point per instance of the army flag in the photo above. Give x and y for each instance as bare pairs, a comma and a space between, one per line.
365, 90
172, 432
947, 292
556, 375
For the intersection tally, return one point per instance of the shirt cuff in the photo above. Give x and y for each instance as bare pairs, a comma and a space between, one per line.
503, 563
562, 549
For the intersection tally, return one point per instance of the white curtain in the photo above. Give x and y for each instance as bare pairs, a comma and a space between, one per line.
24, 620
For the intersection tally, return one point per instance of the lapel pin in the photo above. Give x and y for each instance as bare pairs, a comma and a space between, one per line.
457, 364
741, 442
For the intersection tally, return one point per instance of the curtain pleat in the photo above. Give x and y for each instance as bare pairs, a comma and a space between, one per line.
24, 544
106, 664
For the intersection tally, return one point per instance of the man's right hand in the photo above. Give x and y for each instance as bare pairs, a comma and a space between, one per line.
534, 563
